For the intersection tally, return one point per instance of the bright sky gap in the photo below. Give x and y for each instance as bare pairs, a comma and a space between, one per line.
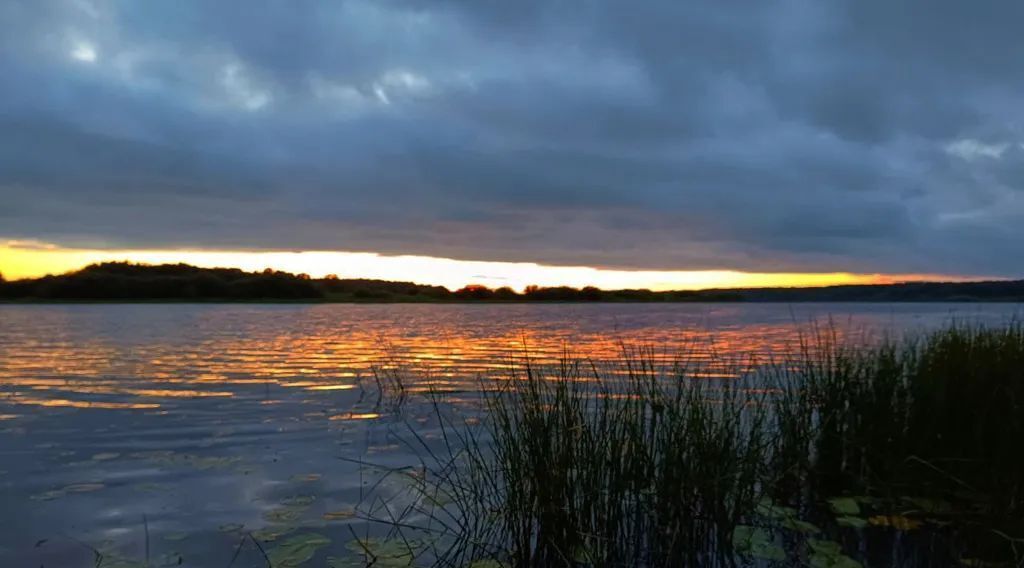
20, 260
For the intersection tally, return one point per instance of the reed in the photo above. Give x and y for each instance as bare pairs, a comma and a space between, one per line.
647, 464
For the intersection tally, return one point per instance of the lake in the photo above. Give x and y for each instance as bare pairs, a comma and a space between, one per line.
178, 428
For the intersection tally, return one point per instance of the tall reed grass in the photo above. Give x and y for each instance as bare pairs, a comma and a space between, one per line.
653, 465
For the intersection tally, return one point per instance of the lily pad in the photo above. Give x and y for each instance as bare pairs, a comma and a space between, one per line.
299, 501
270, 534
339, 515
297, 550
756, 542
898, 522
852, 522
386, 552
284, 514
840, 561
767, 508
105, 456
230, 527
844, 506
829, 554
799, 525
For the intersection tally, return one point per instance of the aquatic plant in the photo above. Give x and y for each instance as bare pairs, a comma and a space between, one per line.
655, 465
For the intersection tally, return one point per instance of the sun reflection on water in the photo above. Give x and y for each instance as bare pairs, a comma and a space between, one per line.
130, 357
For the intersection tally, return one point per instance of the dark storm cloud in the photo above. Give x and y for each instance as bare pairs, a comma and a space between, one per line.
795, 135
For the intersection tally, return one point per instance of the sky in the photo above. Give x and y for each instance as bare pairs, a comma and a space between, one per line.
659, 143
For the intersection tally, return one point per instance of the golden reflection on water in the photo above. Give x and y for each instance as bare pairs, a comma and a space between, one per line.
143, 357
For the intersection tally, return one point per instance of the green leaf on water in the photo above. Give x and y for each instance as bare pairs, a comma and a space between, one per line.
840, 561
284, 514
299, 501
756, 542
291, 509
339, 515
898, 522
297, 550
829, 554
386, 552
767, 508
829, 547
270, 534
799, 525
844, 506
230, 527
105, 456
175, 536
852, 522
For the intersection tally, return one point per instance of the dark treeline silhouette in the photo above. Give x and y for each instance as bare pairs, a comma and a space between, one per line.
112, 281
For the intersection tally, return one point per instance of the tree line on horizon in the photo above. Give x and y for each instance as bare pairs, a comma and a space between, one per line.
112, 281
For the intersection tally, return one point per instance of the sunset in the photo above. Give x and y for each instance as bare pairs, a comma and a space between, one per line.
496, 284
28, 260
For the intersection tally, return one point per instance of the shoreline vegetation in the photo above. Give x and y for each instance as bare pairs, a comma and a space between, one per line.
902, 453
129, 282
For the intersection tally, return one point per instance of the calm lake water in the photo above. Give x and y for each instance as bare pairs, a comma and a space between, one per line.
196, 424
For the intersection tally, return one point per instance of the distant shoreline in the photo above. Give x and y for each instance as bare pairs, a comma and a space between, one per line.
123, 282
285, 302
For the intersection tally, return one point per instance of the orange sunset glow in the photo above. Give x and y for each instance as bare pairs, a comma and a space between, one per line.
27, 260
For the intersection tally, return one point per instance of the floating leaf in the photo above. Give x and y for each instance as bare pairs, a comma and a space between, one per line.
296, 550
840, 561
299, 501
844, 506
898, 522
829, 554
852, 522
386, 552
230, 527
824, 546
756, 542
270, 534
766, 508
105, 456
174, 536
339, 515
799, 525
284, 514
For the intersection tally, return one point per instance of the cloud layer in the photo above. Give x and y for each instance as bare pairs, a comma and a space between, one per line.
787, 136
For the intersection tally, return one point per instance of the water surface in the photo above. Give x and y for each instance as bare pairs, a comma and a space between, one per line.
196, 424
